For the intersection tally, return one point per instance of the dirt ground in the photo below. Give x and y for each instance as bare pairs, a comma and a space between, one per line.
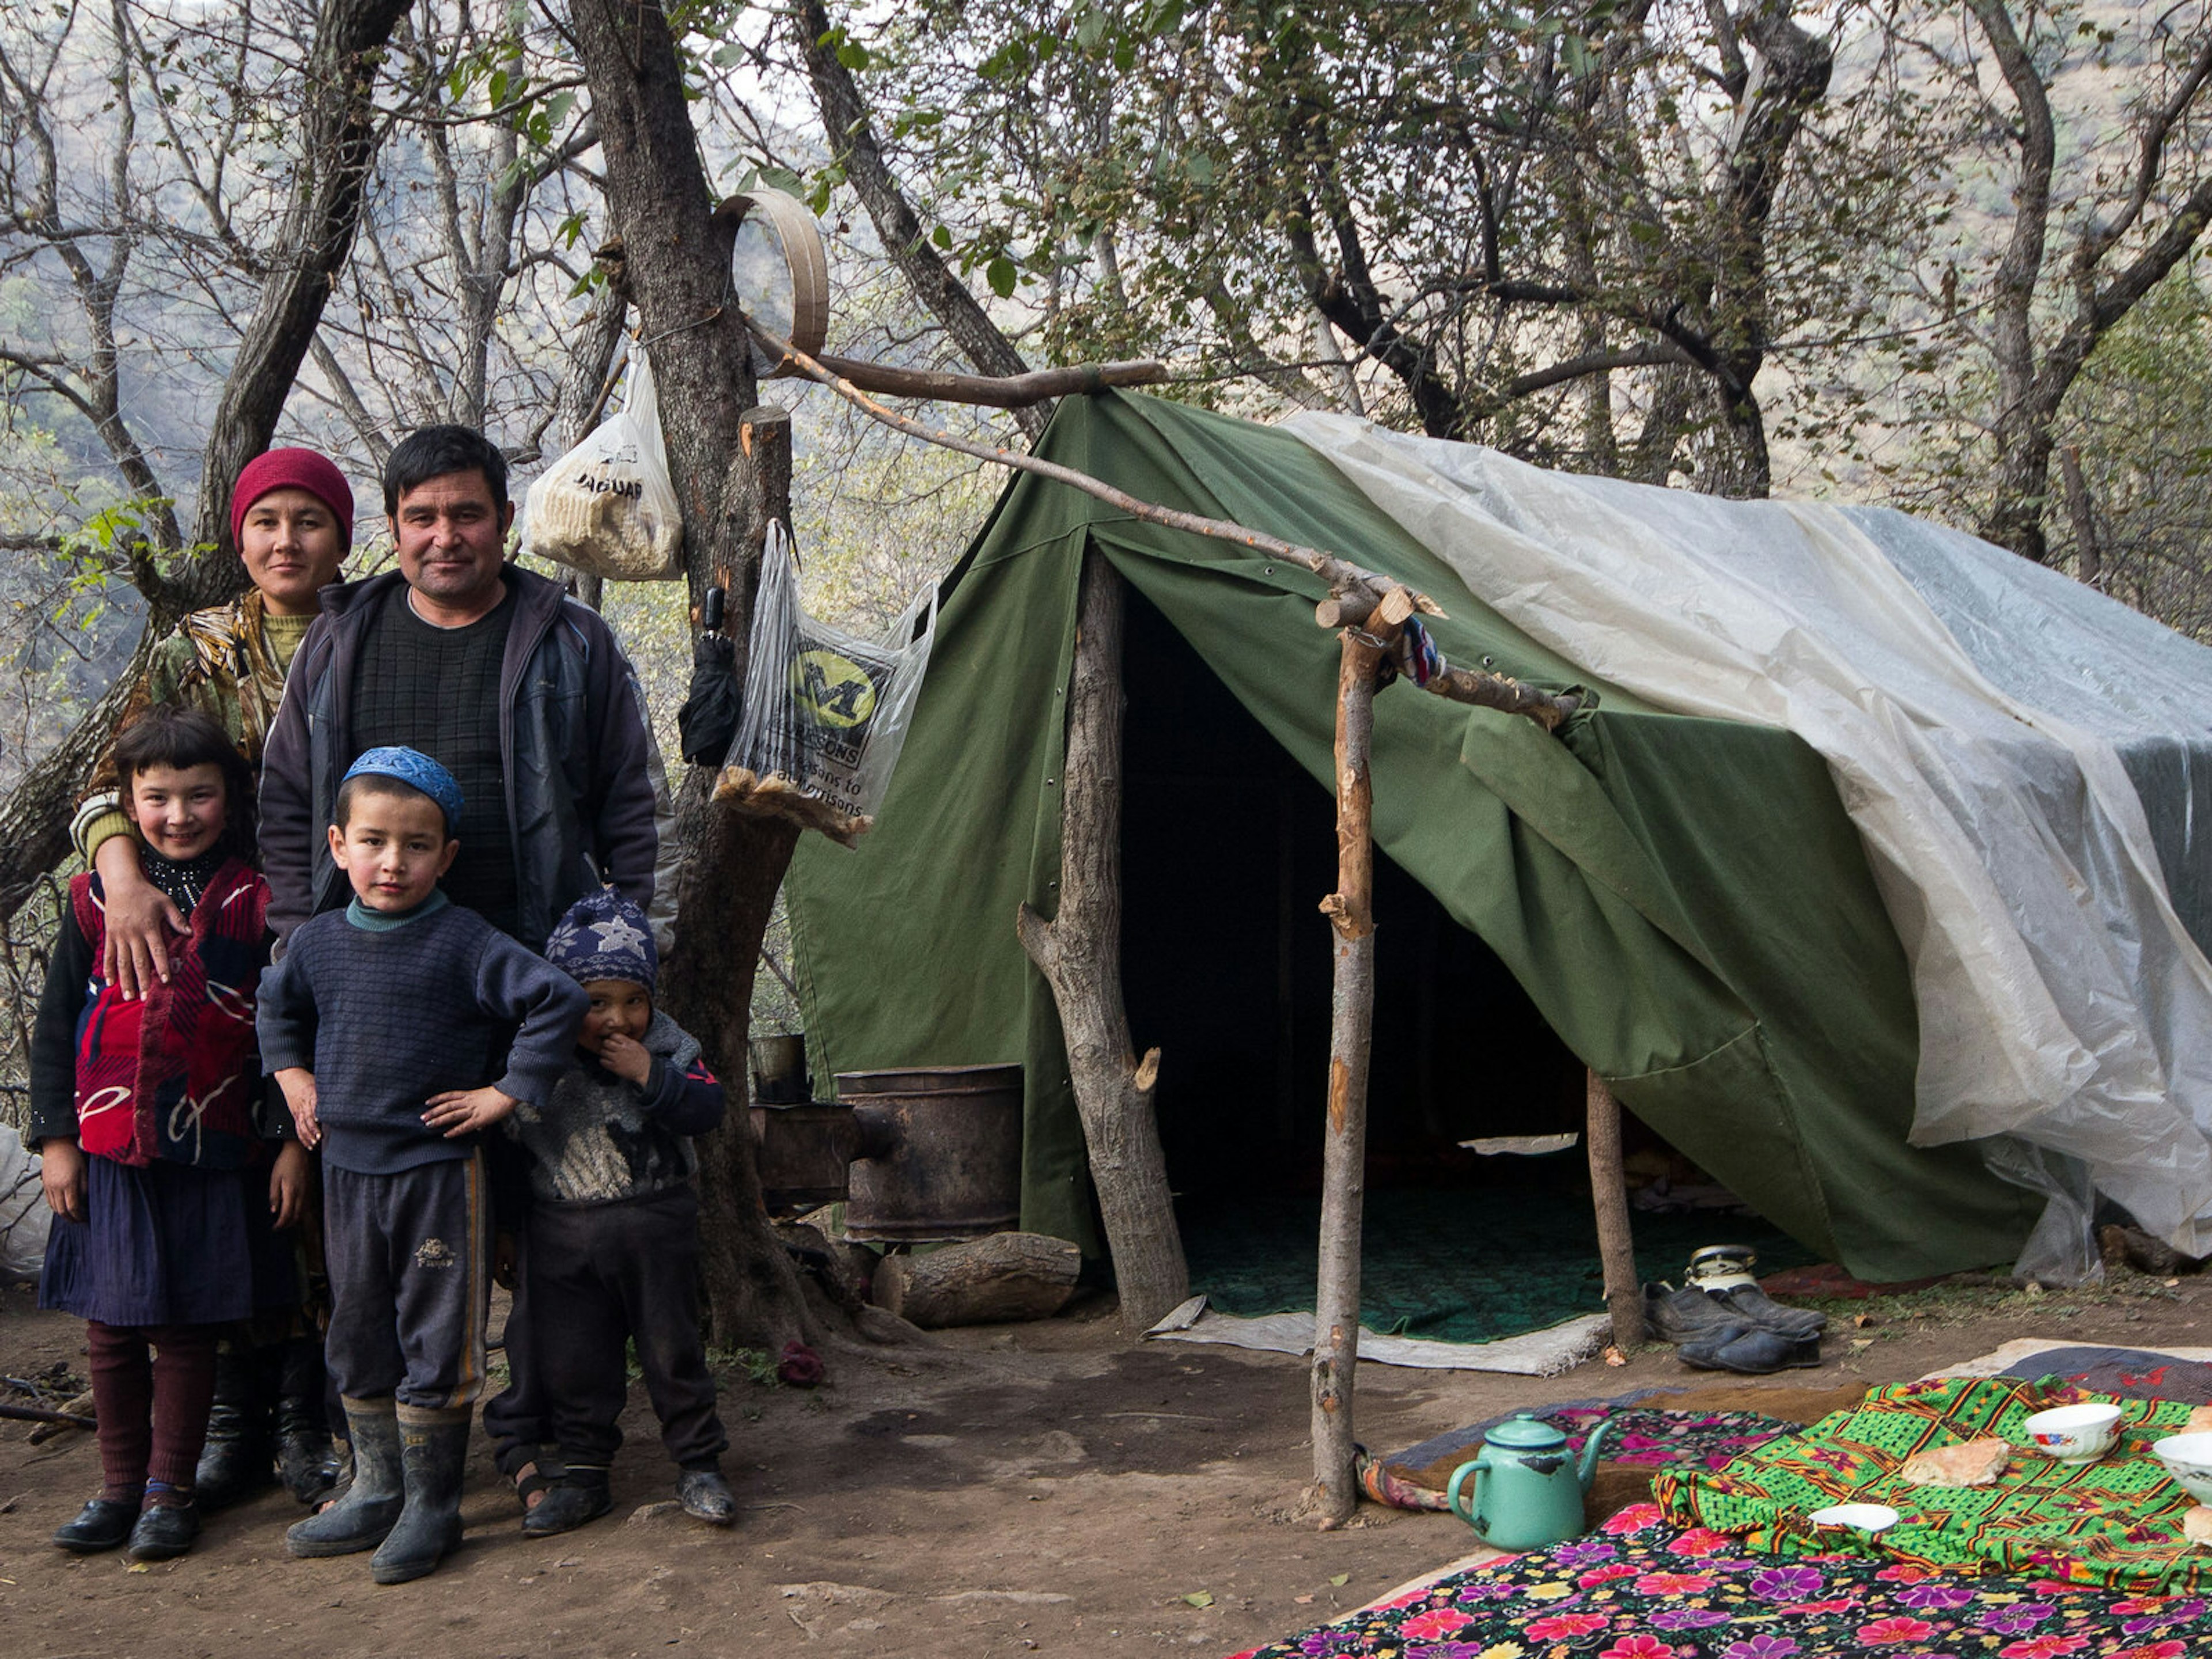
1041, 1488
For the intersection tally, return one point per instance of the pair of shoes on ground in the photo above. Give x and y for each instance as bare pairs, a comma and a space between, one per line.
1690, 1313
1750, 1350
581, 1496
1739, 1328
155, 1532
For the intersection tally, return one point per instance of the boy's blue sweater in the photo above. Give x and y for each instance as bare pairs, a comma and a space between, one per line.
388, 1015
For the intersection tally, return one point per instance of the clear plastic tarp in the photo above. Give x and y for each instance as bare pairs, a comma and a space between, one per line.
2025, 760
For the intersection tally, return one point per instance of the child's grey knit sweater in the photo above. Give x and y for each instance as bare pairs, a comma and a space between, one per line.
386, 1016
601, 1138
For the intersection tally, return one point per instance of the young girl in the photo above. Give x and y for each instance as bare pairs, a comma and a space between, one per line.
148, 1114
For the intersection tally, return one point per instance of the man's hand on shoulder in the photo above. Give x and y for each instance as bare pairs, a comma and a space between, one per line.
464, 1111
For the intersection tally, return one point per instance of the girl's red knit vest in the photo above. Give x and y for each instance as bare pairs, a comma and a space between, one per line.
177, 1075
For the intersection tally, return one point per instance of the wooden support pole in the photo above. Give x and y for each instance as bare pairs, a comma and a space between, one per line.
1079, 953
1350, 909
1616, 1248
991, 390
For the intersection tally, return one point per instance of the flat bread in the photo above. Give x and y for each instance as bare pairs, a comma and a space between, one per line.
1972, 1463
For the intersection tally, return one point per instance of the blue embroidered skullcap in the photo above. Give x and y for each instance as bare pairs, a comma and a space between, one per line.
418, 771
604, 936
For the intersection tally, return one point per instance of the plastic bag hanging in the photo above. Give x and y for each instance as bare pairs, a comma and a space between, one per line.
607, 508
825, 711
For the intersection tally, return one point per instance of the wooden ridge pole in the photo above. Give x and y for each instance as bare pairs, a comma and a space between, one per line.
1350, 909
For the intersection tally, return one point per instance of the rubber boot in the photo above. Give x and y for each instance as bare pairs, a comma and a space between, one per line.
234, 1463
305, 1459
362, 1519
433, 1450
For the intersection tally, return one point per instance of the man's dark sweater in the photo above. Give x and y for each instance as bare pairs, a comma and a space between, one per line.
387, 1015
437, 690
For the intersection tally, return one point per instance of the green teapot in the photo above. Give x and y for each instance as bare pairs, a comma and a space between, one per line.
1525, 1490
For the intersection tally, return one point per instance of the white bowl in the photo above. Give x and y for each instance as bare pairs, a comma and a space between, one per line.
1863, 1517
2188, 1459
2074, 1434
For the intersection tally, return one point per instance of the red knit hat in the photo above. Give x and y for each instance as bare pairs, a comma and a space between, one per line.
291, 469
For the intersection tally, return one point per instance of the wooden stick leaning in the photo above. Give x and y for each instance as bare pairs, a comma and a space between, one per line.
1356, 593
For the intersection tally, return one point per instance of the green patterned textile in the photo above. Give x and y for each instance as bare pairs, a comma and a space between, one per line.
2114, 1521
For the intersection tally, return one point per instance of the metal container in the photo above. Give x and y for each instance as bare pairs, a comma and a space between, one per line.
779, 1071
803, 1151
950, 1163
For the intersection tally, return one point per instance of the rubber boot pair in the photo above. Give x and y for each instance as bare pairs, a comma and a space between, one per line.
404, 1501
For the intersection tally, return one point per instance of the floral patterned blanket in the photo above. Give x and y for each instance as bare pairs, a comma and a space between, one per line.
2115, 1522
1640, 1587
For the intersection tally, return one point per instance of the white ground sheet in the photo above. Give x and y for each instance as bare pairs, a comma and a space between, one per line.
2060, 999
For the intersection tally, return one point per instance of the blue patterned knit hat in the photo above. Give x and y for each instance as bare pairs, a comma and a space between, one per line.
418, 771
604, 936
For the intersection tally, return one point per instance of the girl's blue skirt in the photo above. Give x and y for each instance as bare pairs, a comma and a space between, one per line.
168, 1245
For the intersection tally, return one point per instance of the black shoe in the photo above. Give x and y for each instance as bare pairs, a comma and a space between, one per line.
164, 1530
578, 1498
433, 1450
1750, 1351
364, 1517
1684, 1316
1749, 1301
102, 1525
705, 1494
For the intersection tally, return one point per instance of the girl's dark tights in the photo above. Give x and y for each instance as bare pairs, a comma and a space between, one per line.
153, 1411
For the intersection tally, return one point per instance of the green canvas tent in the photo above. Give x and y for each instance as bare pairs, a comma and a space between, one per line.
1680, 902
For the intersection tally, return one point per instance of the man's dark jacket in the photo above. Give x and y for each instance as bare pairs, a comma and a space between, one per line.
586, 802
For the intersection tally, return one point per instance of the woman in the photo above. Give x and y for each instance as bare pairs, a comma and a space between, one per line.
291, 518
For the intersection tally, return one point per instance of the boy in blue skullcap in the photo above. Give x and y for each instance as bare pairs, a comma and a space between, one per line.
398, 1028
610, 1245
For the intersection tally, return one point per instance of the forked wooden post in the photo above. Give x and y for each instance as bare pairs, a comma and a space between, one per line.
1616, 1247
1079, 953
1350, 909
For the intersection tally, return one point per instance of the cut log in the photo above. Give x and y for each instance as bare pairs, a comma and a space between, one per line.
988, 1281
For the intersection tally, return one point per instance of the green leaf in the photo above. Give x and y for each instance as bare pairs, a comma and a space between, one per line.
1340, 1579
942, 236
1091, 30
496, 88
854, 56
1200, 1598
1001, 275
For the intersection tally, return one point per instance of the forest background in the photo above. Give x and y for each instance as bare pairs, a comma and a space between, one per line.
1941, 257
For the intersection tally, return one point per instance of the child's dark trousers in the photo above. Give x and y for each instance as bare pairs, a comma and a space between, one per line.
409, 1257
596, 1274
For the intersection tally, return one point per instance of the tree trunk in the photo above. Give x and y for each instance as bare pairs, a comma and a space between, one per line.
730, 463
1616, 1247
1079, 954
1344, 1155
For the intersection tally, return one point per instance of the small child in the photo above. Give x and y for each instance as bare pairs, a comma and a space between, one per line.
610, 1245
162, 1234
373, 1015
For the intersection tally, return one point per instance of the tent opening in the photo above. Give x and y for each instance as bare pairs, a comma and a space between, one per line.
1228, 847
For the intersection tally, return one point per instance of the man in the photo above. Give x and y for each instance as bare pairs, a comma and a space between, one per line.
521, 693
